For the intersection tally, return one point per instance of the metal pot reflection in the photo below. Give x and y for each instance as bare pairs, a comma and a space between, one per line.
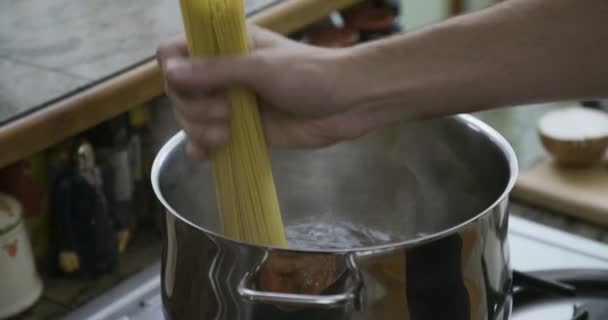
412, 223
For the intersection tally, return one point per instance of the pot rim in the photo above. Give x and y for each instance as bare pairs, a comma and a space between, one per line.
471, 121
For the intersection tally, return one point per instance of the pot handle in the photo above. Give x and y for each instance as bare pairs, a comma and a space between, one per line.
351, 295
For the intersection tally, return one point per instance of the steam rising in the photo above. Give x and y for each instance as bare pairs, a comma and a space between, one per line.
393, 185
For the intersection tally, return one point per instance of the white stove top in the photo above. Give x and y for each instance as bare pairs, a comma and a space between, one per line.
533, 247
536, 247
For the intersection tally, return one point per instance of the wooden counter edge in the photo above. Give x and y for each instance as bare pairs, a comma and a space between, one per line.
55, 123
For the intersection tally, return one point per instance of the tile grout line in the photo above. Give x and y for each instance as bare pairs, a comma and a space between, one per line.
51, 69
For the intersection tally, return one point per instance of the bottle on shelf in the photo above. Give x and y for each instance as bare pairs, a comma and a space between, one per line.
111, 142
89, 235
330, 32
372, 20
141, 157
332, 37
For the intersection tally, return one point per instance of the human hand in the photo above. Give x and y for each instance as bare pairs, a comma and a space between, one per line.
304, 99
69, 261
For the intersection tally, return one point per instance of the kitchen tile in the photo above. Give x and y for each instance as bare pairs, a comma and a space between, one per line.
68, 33
23, 86
58, 42
90, 38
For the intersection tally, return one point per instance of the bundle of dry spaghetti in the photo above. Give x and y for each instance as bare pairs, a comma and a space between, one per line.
244, 184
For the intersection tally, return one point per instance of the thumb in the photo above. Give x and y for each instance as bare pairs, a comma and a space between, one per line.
192, 76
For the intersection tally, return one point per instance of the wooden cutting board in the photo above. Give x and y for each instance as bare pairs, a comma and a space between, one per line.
582, 193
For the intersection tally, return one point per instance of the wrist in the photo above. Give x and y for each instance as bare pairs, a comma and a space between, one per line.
353, 95
374, 85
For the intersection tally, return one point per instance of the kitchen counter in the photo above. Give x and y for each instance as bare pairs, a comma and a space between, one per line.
51, 48
518, 126
68, 65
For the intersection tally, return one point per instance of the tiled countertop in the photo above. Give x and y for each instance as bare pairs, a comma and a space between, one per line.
50, 48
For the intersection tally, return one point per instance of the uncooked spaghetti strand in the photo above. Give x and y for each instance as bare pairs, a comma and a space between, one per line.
243, 180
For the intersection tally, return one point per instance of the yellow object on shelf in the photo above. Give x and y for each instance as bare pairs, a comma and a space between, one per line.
139, 116
246, 194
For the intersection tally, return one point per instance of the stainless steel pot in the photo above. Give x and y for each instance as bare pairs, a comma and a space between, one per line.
409, 222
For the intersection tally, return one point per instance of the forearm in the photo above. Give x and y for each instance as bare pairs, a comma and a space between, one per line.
519, 52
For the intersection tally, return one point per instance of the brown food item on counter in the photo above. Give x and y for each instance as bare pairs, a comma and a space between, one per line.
371, 21
298, 273
332, 37
575, 136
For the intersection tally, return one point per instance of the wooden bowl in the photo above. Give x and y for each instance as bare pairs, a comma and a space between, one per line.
575, 136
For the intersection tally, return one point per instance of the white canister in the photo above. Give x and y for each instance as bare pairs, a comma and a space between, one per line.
20, 282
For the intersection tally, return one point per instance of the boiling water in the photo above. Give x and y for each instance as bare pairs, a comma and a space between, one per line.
327, 236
